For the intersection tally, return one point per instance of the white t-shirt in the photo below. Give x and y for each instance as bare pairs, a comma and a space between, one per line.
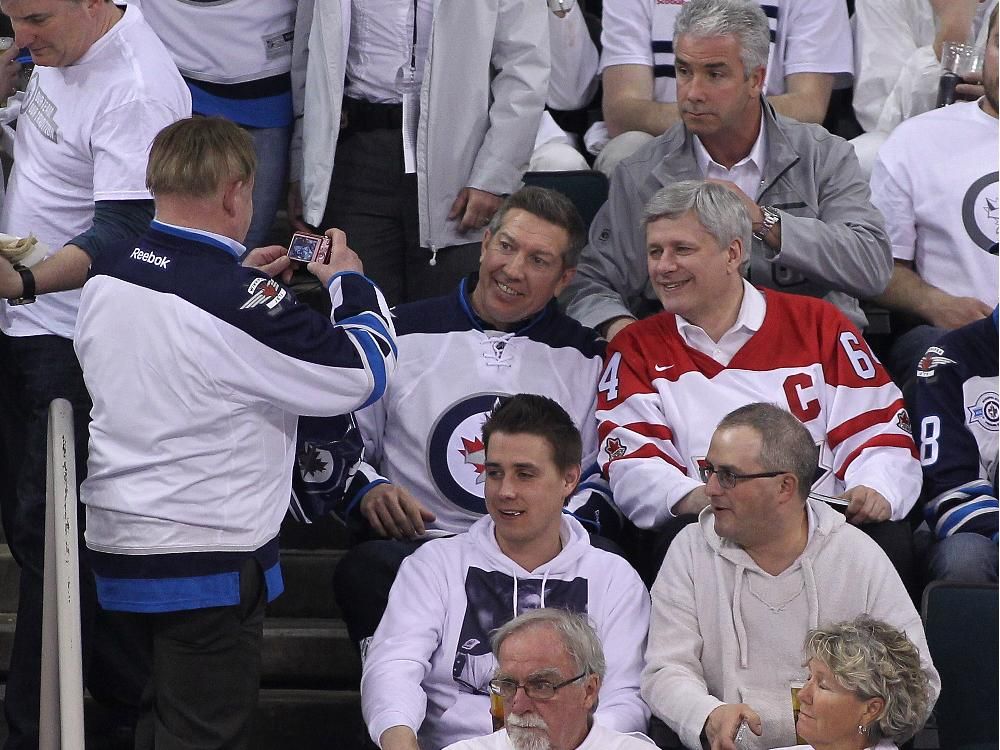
83, 135
807, 36
225, 42
598, 738
935, 181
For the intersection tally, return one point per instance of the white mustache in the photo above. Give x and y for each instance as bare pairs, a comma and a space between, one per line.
526, 721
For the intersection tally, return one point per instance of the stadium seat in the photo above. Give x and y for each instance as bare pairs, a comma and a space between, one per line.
587, 188
961, 623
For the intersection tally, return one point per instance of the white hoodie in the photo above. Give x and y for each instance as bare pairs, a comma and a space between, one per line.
431, 650
724, 631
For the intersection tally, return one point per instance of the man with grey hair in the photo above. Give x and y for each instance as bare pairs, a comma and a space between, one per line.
550, 666
738, 591
721, 343
809, 47
815, 230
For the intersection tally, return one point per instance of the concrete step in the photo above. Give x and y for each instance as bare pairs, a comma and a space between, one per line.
9, 576
304, 719
308, 653
297, 653
308, 578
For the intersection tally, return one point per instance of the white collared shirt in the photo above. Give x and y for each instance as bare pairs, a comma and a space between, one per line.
236, 248
748, 322
381, 53
747, 173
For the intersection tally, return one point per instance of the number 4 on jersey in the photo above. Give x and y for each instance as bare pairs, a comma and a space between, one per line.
608, 384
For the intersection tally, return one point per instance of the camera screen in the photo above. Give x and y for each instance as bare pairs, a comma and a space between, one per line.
303, 248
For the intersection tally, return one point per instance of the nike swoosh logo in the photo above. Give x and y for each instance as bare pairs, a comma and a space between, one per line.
663, 368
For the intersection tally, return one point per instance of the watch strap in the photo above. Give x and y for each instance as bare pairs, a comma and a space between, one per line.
28, 290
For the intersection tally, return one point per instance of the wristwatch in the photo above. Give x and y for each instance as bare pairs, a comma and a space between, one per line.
770, 218
28, 291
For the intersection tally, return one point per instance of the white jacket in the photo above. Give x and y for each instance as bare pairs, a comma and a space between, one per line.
429, 662
476, 128
700, 627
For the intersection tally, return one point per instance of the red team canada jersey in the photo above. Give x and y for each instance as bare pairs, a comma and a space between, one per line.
659, 402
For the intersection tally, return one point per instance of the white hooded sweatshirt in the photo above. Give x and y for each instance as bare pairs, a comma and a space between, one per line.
428, 664
723, 630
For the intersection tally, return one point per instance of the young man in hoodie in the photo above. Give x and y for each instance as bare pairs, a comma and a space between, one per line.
739, 589
427, 668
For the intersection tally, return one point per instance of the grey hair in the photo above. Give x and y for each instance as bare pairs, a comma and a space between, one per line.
875, 660
718, 209
574, 630
551, 206
743, 19
785, 443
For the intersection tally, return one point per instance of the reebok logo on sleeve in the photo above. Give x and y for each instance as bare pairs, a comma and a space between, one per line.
147, 256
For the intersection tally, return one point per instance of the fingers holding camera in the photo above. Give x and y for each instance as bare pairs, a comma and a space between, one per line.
341, 258
272, 260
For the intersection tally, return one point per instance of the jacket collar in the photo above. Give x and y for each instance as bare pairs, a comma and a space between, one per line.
679, 162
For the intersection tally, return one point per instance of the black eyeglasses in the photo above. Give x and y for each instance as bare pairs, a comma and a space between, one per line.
539, 690
728, 479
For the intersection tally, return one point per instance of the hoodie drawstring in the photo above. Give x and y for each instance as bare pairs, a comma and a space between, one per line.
741, 630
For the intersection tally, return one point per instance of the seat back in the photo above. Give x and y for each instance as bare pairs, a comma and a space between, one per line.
587, 188
961, 622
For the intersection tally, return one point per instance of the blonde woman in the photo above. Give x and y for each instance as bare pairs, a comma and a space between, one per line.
865, 688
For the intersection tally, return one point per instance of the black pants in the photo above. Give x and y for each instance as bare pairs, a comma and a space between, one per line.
362, 581
375, 202
33, 371
206, 672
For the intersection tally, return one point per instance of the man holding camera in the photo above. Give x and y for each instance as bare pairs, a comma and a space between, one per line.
199, 368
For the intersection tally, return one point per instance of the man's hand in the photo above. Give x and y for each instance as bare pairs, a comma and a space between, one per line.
614, 326
954, 312
9, 71
722, 724
756, 215
865, 505
393, 512
293, 204
342, 259
398, 738
474, 208
971, 89
693, 502
272, 260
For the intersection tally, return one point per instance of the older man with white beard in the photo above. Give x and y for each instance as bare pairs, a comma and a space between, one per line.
550, 668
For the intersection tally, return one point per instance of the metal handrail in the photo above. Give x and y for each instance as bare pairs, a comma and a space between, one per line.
61, 715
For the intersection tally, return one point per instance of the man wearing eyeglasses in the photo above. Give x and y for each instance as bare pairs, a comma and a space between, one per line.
739, 590
428, 667
550, 669
720, 343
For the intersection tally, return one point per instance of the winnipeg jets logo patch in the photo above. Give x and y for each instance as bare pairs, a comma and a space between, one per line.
933, 359
985, 412
266, 292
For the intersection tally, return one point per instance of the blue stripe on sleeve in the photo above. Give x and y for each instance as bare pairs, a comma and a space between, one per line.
373, 321
375, 363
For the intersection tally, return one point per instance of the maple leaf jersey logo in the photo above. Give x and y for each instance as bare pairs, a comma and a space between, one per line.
933, 359
614, 448
474, 453
264, 292
903, 421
